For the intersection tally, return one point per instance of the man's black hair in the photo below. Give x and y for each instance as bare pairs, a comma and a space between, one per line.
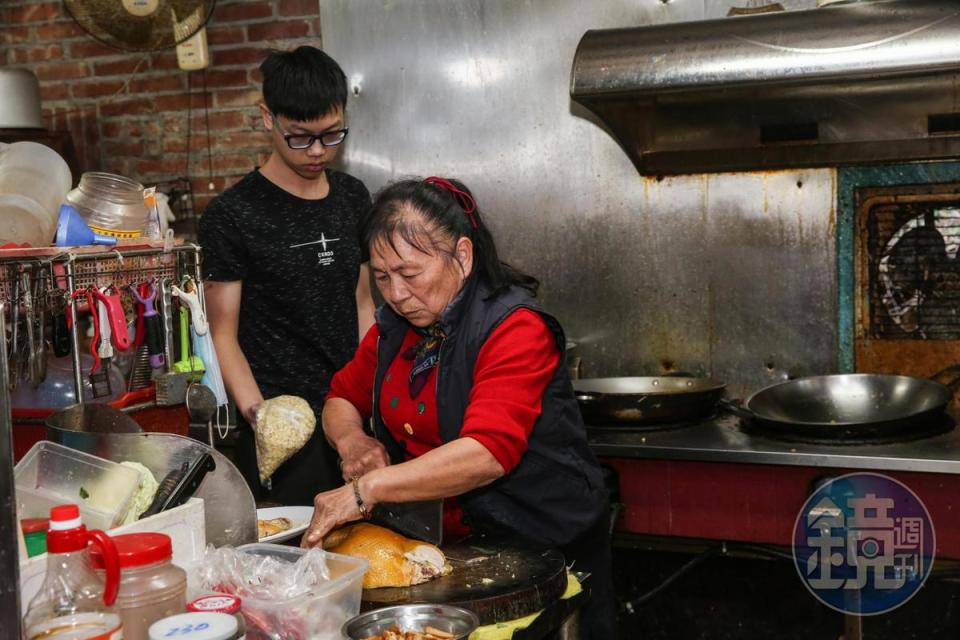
303, 84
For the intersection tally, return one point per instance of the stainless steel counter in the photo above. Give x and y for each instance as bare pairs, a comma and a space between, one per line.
723, 440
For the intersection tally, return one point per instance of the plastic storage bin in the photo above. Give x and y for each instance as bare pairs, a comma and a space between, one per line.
319, 614
51, 474
34, 180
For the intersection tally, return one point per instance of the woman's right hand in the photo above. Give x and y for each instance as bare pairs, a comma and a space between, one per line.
360, 454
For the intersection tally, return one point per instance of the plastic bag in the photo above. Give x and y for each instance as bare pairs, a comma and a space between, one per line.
282, 600
264, 577
284, 425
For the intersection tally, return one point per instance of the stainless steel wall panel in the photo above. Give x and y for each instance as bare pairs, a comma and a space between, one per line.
644, 274
773, 297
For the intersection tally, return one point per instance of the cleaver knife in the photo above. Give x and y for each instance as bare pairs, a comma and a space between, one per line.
421, 520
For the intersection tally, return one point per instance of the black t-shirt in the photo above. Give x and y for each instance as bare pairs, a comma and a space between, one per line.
299, 261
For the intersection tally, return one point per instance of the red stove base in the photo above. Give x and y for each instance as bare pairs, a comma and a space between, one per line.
753, 503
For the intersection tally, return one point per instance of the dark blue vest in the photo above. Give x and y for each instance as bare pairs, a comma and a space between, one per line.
556, 491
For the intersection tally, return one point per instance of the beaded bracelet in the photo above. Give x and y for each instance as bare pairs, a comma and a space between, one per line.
364, 512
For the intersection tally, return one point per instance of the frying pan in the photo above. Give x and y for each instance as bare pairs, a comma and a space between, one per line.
859, 405
646, 400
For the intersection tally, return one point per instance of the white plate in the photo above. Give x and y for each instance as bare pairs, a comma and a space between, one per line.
299, 516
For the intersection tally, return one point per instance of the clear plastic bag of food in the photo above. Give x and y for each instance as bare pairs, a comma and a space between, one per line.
284, 425
286, 593
265, 577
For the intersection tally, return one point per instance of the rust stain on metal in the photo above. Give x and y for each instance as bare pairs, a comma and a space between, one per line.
832, 223
705, 199
907, 357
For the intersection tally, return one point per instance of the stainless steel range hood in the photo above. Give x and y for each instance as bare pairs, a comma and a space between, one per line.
862, 82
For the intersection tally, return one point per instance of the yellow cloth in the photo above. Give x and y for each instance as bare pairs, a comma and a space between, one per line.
504, 630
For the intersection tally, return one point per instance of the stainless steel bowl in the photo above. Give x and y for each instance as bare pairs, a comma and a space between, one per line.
412, 617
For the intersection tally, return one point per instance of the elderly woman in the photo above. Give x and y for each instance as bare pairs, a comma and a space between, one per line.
465, 379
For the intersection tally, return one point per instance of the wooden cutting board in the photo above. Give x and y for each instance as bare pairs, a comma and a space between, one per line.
497, 582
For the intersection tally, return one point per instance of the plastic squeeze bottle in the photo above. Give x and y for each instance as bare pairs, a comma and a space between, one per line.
74, 603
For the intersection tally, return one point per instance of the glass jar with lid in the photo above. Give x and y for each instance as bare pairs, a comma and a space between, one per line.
151, 586
111, 205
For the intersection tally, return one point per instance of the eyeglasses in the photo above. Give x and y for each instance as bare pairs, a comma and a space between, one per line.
306, 140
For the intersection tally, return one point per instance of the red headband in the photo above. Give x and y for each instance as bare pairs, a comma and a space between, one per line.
466, 201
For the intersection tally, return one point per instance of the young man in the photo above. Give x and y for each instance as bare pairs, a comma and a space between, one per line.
287, 286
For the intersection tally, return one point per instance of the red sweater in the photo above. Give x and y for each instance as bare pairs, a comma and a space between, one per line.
512, 371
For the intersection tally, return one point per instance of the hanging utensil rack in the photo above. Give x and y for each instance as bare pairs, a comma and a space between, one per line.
63, 271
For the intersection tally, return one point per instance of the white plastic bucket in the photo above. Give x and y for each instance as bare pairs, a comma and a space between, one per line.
34, 180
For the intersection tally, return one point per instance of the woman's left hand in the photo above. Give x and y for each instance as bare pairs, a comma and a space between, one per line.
330, 509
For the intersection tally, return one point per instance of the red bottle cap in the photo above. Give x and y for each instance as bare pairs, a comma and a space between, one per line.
137, 550
66, 533
220, 603
62, 517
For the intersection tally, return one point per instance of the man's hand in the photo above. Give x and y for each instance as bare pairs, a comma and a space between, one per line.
330, 509
250, 414
361, 454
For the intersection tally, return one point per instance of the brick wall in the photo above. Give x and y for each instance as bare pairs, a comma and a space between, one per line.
127, 112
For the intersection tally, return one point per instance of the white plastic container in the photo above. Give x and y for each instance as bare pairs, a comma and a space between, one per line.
34, 180
52, 474
319, 614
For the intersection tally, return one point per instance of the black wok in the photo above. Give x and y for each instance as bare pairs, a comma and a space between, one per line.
848, 406
646, 400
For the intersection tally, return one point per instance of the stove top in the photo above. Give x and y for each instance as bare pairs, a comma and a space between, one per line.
645, 428
926, 430
724, 438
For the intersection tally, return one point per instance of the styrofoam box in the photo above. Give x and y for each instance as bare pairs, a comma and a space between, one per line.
318, 614
184, 525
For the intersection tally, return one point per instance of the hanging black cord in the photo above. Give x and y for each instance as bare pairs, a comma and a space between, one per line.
206, 114
760, 550
723, 549
186, 169
630, 605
